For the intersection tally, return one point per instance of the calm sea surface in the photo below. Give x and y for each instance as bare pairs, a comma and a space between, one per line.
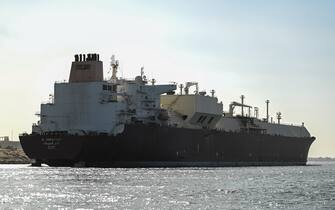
307, 187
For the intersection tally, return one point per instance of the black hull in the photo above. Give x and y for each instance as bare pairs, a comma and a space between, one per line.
155, 146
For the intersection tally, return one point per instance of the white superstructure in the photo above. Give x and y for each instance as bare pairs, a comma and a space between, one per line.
89, 104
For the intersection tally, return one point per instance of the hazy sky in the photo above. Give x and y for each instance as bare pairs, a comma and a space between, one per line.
283, 51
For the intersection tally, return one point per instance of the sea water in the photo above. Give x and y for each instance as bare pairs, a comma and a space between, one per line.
293, 187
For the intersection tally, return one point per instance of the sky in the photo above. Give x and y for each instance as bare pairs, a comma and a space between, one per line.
283, 51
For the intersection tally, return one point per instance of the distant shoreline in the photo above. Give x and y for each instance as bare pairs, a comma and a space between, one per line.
13, 156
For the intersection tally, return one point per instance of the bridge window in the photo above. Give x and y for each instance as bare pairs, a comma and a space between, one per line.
107, 87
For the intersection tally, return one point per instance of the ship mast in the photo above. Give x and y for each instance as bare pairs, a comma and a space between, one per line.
114, 65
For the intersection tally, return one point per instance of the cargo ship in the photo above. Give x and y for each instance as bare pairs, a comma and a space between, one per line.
95, 122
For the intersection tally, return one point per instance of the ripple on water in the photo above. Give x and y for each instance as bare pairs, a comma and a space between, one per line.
189, 188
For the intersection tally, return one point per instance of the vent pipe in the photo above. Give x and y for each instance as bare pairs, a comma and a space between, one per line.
256, 112
267, 110
279, 117
213, 92
181, 86
242, 106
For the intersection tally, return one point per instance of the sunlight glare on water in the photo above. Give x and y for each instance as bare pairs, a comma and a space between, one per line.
301, 187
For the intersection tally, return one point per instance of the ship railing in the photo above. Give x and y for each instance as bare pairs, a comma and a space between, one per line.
289, 124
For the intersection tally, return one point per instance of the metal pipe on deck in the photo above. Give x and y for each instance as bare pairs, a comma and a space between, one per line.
242, 104
267, 110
